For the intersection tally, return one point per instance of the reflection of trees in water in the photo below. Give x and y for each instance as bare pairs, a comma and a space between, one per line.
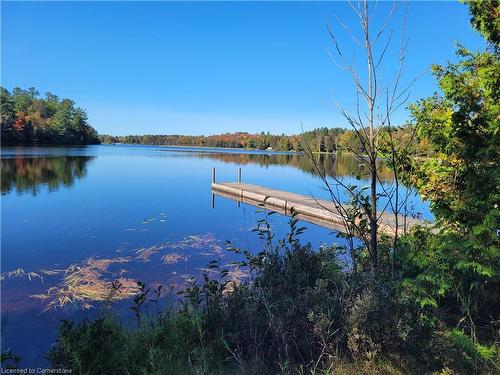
28, 174
341, 164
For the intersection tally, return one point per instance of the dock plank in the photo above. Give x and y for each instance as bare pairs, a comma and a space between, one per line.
317, 211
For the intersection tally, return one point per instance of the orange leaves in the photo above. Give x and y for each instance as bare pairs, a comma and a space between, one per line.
20, 122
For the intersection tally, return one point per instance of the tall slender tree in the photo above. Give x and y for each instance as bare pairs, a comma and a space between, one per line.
376, 100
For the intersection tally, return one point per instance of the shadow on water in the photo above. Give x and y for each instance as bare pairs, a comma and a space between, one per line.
28, 175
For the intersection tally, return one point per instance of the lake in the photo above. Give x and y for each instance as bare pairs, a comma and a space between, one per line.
77, 220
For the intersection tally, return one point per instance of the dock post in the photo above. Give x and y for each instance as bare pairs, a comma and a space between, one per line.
213, 182
239, 180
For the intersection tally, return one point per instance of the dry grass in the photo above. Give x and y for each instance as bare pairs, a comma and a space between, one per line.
204, 241
234, 277
84, 284
90, 281
174, 258
207, 242
18, 273
338, 367
144, 254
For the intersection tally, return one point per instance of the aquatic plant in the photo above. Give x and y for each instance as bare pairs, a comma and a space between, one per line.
173, 258
90, 281
84, 284
145, 253
204, 241
19, 272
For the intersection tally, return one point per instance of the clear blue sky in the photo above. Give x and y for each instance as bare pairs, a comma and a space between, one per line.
204, 68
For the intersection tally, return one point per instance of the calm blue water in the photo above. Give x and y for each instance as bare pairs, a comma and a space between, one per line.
130, 206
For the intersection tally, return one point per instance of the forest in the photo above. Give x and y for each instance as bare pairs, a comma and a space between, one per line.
27, 118
324, 140
320, 140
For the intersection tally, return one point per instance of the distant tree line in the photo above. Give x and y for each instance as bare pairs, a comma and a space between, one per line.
26, 118
319, 140
322, 140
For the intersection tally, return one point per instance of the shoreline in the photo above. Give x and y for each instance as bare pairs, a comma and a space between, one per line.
205, 147
178, 146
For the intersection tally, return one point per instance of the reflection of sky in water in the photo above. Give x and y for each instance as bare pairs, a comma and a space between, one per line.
110, 201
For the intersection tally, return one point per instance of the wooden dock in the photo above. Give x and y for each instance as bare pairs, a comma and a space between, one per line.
316, 211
